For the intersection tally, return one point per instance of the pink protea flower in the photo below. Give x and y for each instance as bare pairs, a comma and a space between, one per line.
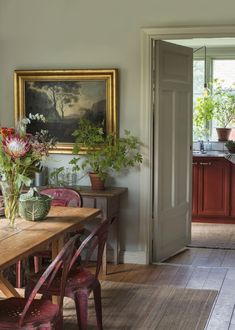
15, 146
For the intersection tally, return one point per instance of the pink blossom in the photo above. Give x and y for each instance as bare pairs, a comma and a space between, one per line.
15, 146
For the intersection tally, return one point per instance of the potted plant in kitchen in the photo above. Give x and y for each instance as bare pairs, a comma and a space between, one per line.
220, 106
103, 153
230, 144
224, 108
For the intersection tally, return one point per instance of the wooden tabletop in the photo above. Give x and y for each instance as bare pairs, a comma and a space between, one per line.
107, 192
30, 236
88, 191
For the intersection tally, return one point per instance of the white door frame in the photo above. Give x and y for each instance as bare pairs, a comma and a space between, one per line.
146, 132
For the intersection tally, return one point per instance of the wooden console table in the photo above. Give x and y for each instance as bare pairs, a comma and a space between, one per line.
108, 201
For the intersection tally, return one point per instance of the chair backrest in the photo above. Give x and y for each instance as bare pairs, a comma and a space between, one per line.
64, 196
60, 263
97, 238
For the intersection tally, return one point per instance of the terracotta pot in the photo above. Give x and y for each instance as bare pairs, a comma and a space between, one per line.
223, 133
96, 182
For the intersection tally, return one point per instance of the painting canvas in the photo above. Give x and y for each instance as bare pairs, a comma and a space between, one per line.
64, 99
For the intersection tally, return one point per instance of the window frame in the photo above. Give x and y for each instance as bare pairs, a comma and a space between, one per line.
225, 53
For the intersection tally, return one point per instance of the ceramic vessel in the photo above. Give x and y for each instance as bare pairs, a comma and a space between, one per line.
96, 182
34, 206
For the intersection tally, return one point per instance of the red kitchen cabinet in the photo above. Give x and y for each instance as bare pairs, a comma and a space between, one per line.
194, 187
232, 200
211, 185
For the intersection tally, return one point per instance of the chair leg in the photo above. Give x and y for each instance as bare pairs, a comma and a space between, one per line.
81, 303
18, 273
36, 261
59, 323
98, 306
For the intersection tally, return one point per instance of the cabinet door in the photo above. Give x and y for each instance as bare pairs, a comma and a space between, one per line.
232, 190
213, 187
194, 187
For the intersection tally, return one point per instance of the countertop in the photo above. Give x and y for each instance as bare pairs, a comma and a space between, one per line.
210, 154
219, 154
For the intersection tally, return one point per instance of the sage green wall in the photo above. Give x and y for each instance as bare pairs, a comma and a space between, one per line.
41, 34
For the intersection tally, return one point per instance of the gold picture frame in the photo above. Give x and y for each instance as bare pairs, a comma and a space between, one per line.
64, 97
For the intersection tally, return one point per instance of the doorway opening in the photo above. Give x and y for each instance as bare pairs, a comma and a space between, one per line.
148, 35
213, 61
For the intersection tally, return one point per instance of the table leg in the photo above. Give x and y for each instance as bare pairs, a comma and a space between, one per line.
116, 241
57, 245
104, 260
7, 288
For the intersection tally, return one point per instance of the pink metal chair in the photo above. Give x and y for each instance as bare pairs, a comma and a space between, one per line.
81, 282
30, 313
61, 197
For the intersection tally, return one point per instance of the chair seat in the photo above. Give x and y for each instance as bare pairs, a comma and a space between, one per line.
41, 312
80, 278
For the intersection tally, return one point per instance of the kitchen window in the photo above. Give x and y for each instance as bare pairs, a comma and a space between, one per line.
218, 67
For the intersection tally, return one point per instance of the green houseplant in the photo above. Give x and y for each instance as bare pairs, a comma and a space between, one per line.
219, 106
103, 154
230, 144
202, 114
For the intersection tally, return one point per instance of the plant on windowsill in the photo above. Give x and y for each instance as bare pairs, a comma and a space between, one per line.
103, 154
230, 144
220, 106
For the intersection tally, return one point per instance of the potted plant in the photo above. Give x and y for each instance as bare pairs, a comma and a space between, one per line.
103, 154
220, 106
224, 108
230, 144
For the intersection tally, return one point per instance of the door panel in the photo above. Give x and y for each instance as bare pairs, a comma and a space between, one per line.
172, 154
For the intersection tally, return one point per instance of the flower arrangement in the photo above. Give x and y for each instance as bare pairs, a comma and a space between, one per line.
21, 155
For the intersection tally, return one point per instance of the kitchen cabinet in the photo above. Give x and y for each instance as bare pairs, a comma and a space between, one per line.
211, 187
194, 187
232, 199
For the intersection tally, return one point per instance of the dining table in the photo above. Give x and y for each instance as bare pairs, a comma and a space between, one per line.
27, 237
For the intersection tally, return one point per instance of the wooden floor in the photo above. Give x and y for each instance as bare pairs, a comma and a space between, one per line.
191, 275
197, 268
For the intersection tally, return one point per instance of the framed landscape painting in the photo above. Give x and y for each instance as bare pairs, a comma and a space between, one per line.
64, 97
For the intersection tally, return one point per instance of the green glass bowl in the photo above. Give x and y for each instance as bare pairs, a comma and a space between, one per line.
35, 208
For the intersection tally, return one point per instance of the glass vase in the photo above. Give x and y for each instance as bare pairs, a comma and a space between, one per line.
11, 193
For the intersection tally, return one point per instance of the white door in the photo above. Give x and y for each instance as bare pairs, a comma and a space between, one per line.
172, 148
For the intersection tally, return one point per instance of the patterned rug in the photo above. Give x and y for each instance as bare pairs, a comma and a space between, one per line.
128, 306
212, 235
